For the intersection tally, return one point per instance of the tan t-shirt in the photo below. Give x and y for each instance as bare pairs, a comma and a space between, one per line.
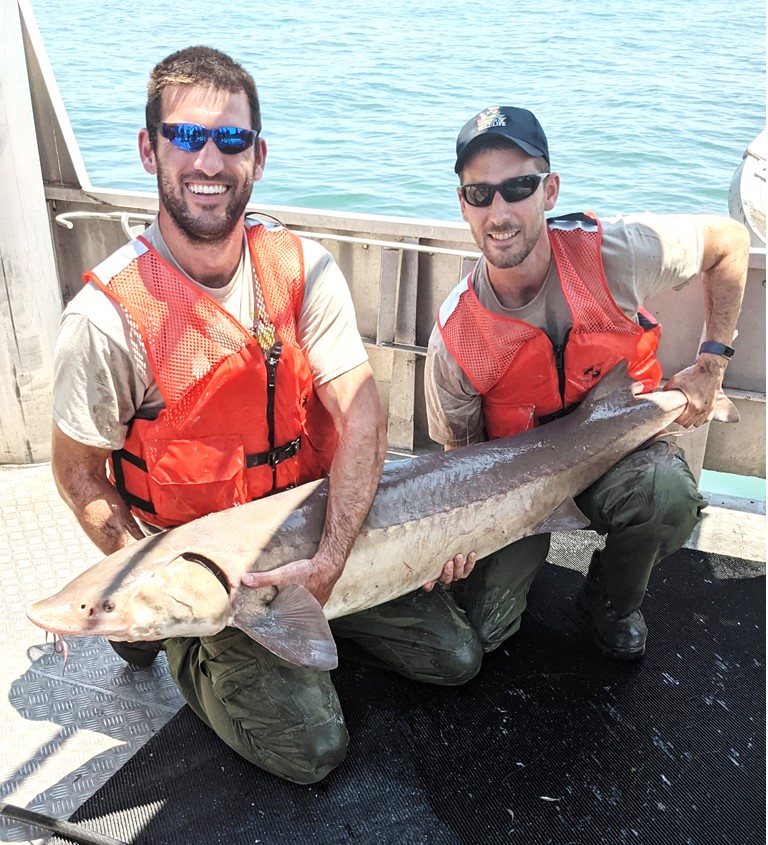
102, 379
642, 255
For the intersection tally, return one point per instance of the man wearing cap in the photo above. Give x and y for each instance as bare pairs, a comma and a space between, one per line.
551, 306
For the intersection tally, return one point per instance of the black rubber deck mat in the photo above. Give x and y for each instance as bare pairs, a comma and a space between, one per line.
551, 743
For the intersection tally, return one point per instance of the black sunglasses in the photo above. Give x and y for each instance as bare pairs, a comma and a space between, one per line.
192, 137
512, 190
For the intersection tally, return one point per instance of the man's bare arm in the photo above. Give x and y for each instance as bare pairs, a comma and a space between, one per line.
724, 275
353, 402
81, 478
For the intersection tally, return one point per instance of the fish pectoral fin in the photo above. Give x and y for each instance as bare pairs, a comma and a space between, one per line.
292, 626
567, 517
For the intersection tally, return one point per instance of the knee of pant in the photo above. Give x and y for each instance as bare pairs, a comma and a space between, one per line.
460, 665
666, 498
327, 750
316, 755
678, 502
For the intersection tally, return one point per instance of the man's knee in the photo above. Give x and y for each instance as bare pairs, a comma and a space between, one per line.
305, 758
283, 719
669, 500
458, 666
656, 489
322, 751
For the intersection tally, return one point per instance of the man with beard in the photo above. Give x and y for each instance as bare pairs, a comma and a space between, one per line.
550, 307
213, 361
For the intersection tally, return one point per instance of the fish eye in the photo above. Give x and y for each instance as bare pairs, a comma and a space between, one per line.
108, 606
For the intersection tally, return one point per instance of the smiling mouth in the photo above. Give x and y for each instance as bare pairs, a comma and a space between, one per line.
502, 236
206, 189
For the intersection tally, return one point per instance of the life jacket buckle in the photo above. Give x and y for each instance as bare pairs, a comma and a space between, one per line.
283, 453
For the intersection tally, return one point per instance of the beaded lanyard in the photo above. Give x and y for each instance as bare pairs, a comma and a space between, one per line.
262, 328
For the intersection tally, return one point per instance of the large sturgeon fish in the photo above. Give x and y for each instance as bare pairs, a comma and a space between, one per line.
186, 581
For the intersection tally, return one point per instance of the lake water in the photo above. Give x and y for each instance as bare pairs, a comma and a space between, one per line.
646, 106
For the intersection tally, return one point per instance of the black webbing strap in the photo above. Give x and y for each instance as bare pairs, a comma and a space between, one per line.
118, 456
563, 412
274, 456
271, 457
272, 359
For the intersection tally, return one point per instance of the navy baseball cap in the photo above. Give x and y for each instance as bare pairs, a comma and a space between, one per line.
517, 125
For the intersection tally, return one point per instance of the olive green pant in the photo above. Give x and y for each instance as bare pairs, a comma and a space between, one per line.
288, 720
646, 506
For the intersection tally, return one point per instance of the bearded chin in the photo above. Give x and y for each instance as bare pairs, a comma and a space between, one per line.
203, 227
208, 230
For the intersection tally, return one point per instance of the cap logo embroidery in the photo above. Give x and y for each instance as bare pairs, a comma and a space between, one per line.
491, 117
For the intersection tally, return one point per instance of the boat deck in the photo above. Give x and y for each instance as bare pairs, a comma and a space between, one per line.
68, 729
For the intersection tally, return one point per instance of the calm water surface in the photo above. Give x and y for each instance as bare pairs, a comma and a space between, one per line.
647, 106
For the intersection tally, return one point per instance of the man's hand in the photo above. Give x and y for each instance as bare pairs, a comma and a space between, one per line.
316, 575
454, 570
701, 383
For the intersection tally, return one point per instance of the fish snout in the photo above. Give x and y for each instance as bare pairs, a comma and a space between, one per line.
65, 617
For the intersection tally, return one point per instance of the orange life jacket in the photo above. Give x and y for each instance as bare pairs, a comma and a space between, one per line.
241, 420
523, 378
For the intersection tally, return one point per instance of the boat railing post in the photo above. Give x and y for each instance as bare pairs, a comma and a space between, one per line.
30, 298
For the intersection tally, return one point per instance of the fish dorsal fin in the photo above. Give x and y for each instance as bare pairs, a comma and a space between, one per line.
292, 626
567, 517
617, 378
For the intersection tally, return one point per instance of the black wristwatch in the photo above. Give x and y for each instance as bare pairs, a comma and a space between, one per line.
716, 348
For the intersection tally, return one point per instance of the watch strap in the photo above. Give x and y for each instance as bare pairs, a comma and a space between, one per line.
715, 348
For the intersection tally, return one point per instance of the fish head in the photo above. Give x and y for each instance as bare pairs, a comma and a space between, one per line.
170, 598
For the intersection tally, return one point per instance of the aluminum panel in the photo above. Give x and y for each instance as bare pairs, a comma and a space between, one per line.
64, 728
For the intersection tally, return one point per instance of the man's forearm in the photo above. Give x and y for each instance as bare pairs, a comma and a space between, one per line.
724, 281
103, 515
352, 485
354, 475
108, 523
81, 478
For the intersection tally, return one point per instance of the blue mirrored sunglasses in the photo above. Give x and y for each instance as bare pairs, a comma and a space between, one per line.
512, 190
192, 137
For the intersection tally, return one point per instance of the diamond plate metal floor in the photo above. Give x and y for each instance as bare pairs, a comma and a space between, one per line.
65, 730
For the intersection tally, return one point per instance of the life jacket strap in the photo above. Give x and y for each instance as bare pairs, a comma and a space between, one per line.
274, 456
563, 412
132, 501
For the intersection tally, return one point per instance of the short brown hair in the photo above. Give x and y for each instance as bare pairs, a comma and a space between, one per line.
204, 67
